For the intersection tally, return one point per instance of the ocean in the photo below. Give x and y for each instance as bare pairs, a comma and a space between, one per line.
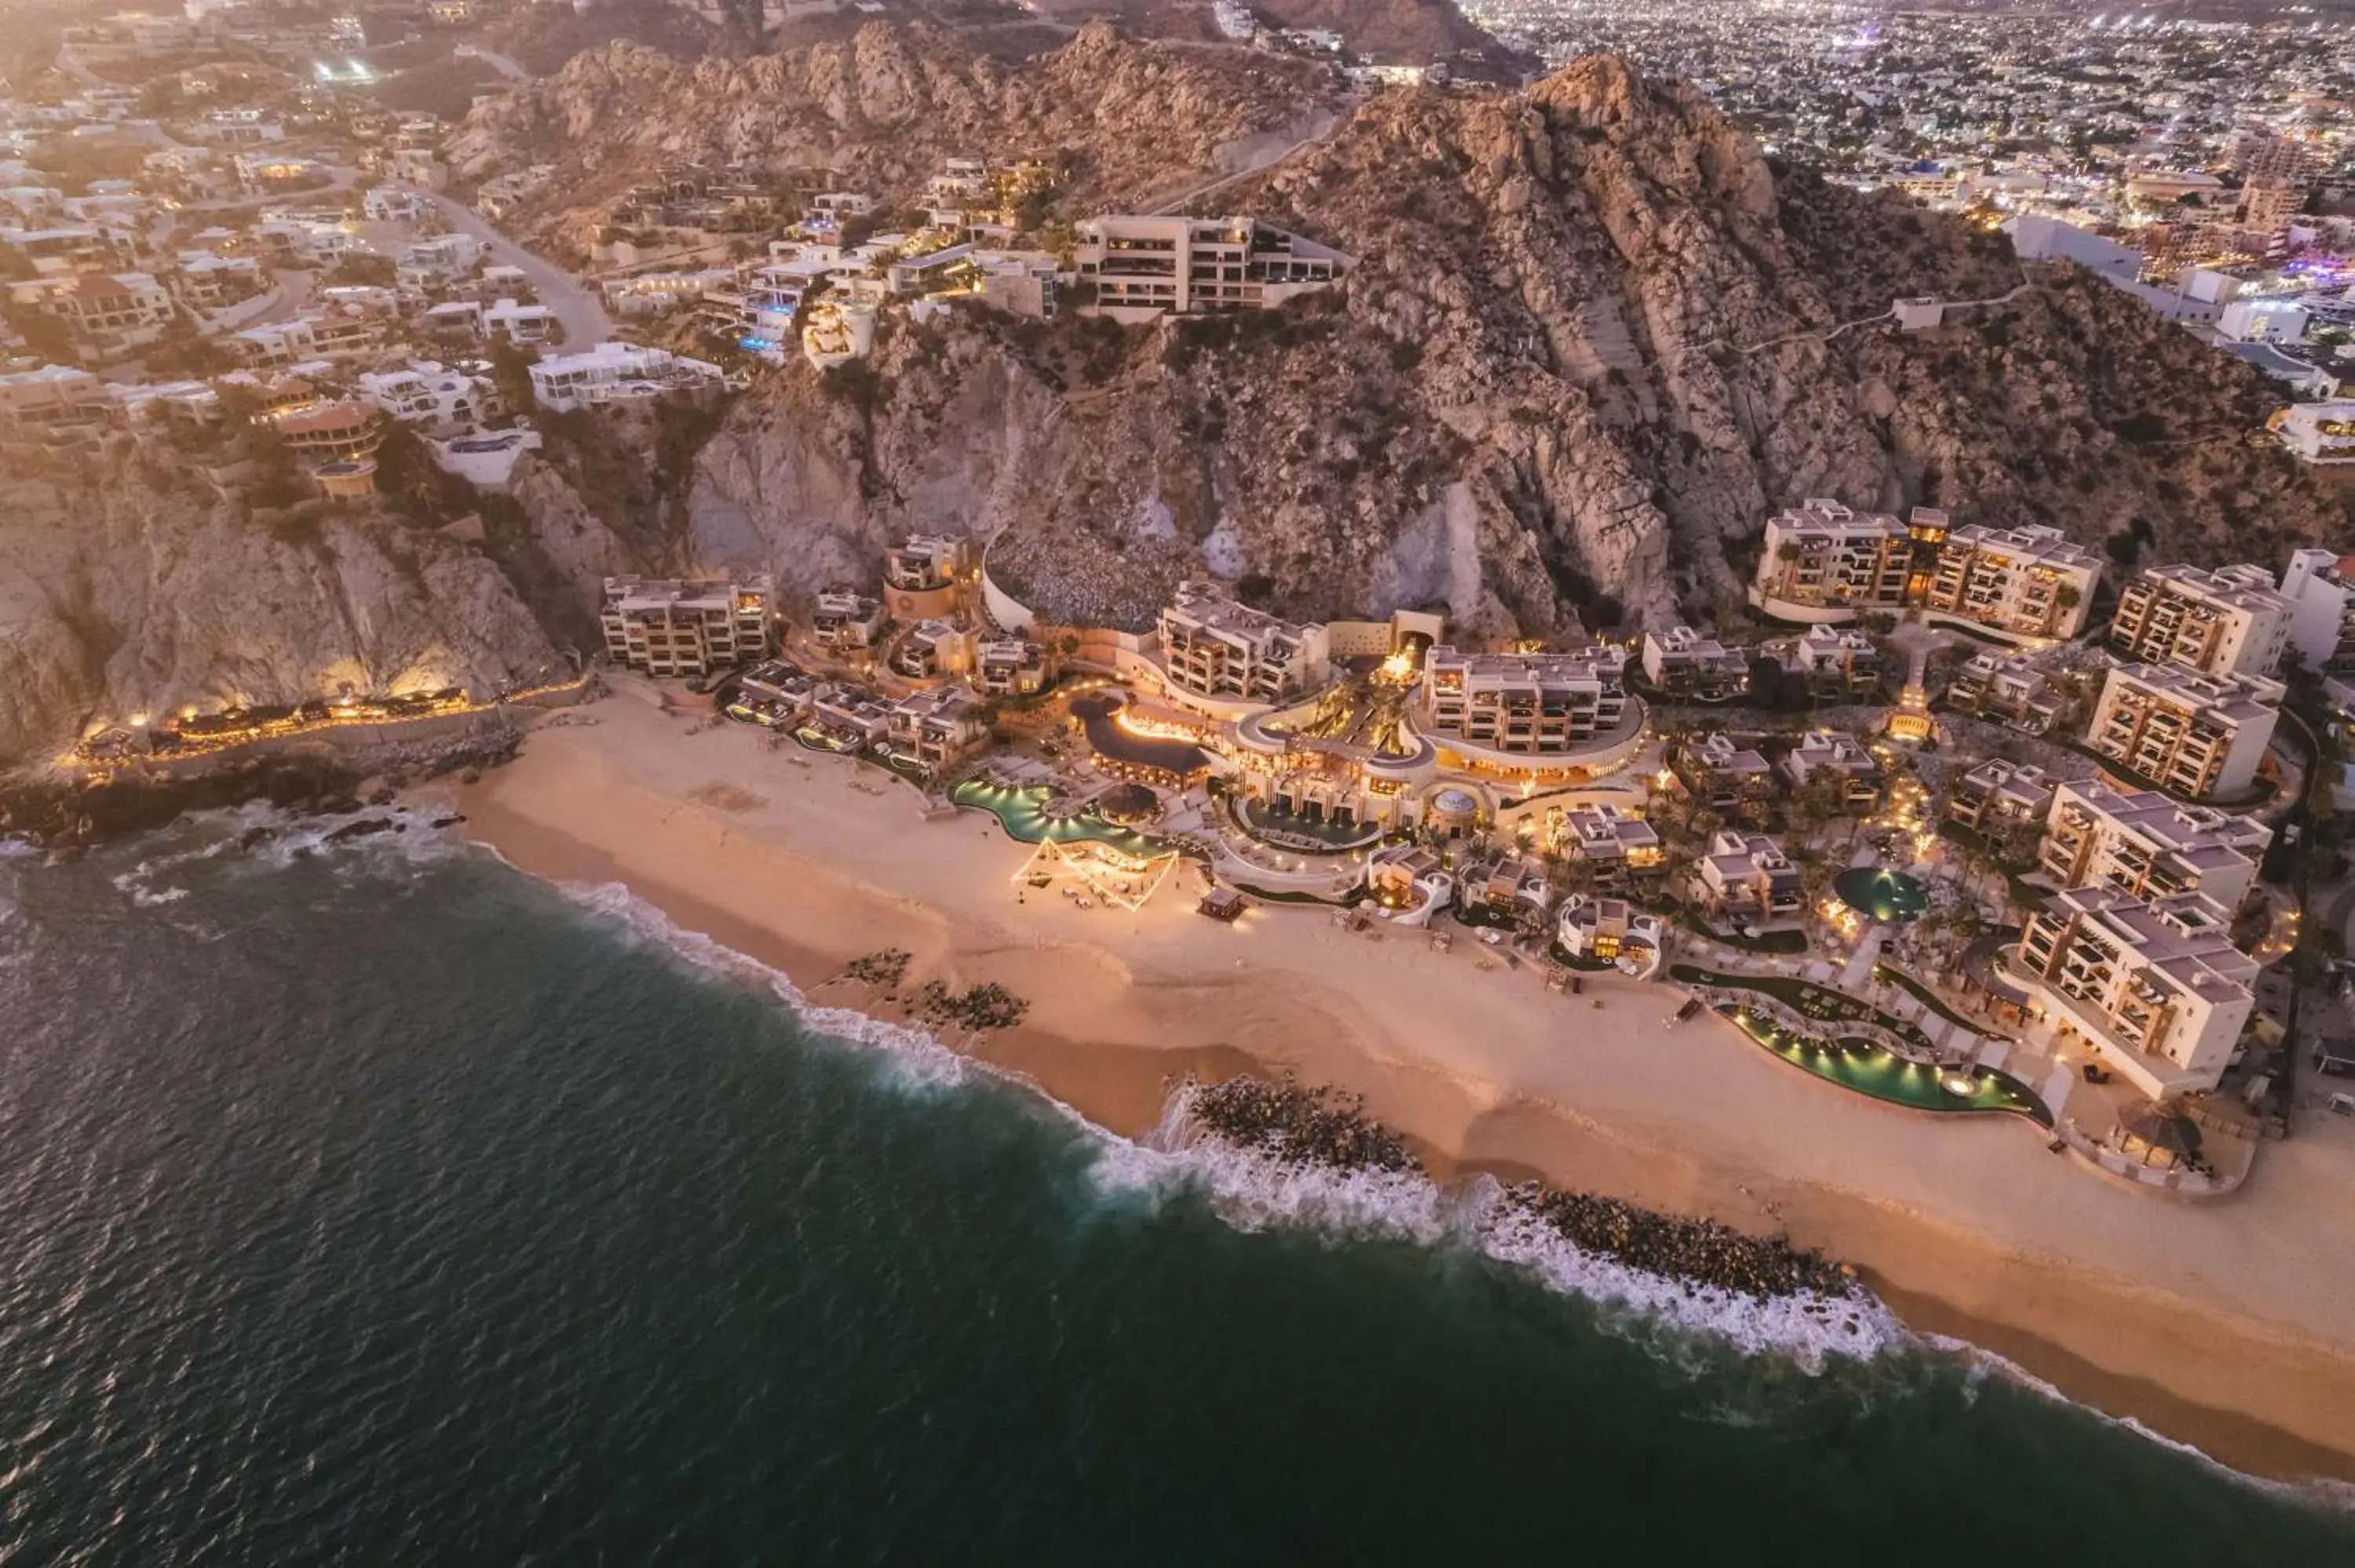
372, 1203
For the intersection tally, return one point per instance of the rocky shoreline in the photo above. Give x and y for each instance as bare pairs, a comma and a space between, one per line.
1318, 1126
53, 814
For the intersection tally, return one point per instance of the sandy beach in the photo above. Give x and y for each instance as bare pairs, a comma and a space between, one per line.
2229, 1325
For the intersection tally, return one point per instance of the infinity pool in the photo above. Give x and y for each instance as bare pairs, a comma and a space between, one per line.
1869, 1069
1020, 807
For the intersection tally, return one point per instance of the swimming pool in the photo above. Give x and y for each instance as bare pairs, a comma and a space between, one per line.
1020, 807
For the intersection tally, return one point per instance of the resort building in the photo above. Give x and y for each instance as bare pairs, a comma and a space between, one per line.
1732, 779
2228, 621
849, 717
2155, 985
1681, 661
1746, 876
2006, 688
1142, 266
934, 728
921, 576
675, 628
1823, 562
1827, 763
1409, 882
1009, 667
2025, 582
1216, 650
1614, 931
1504, 888
2193, 733
1834, 663
2149, 845
1614, 843
2320, 587
930, 650
1514, 705
2000, 796
845, 621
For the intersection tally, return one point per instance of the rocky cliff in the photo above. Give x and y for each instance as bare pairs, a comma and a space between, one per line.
1593, 339
130, 597
882, 110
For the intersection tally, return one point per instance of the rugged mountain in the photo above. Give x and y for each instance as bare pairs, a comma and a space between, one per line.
146, 592
1593, 339
883, 108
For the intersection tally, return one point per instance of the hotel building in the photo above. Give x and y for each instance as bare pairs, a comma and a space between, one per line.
1681, 661
674, 628
1746, 876
1824, 562
1523, 705
2320, 587
2157, 986
2149, 845
921, 577
2228, 621
2193, 733
1141, 266
2027, 582
2005, 688
1828, 761
2000, 797
1219, 650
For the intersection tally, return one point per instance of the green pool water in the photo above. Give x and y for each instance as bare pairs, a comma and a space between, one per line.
1020, 808
1884, 895
1869, 1069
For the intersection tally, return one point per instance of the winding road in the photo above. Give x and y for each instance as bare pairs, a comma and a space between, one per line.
581, 310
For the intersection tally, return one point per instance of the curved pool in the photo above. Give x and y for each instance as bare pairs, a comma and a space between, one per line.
1881, 894
1020, 808
1869, 1069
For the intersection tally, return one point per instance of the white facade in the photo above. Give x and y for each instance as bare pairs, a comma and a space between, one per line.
1523, 705
1212, 647
2148, 844
2321, 432
2320, 587
1822, 561
2028, 582
616, 373
673, 628
2197, 734
1186, 265
2229, 621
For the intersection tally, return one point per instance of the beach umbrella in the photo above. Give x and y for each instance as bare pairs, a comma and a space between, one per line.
2161, 1131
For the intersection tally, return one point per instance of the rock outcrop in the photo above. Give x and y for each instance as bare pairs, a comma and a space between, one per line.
125, 598
1593, 339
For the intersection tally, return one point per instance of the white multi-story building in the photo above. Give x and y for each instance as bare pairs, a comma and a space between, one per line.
1613, 931
1680, 660
1822, 561
1216, 648
2149, 845
2229, 621
2320, 433
2320, 587
2155, 985
933, 728
431, 395
1729, 777
1832, 659
2195, 733
675, 628
443, 260
1616, 843
1746, 876
1140, 266
2028, 582
1524, 705
845, 621
1009, 667
616, 373
2005, 687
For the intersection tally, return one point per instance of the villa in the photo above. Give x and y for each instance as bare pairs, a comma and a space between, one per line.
1141, 266
1613, 931
616, 372
846, 621
1679, 660
2157, 986
1616, 845
932, 648
937, 728
2149, 845
2196, 734
1009, 667
1831, 763
1504, 888
669, 628
1409, 882
1508, 708
921, 577
2000, 796
1836, 663
1731, 778
848, 716
1219, 653
2004, 687
1746, 876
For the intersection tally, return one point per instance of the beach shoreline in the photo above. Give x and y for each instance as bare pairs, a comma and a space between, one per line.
1968, 1230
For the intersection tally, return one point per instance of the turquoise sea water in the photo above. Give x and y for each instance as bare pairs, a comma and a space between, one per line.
378, 1206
